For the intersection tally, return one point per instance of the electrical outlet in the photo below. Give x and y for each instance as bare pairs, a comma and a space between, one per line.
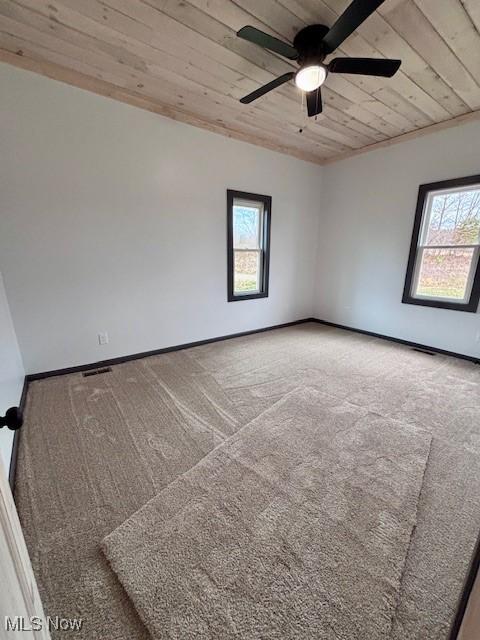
103, 338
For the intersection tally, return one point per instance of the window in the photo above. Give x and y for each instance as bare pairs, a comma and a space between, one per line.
248, 225
443, 266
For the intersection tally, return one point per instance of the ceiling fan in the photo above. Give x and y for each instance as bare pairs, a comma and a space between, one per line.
311, 46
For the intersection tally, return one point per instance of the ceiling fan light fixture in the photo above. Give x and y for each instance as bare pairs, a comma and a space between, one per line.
311, 77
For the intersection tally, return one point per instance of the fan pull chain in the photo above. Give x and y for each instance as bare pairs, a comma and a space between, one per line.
302, 107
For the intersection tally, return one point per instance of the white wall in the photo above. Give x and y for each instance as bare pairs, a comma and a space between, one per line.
11, 374
368, 207
114, 219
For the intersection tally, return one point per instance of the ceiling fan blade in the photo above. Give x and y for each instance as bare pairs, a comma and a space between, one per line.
268, 42
314, 102
267, 87
351, 19
365, 66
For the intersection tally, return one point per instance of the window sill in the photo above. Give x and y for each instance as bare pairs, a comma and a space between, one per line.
247, 296
470, 307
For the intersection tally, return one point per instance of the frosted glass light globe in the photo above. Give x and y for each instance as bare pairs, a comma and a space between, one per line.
310, 78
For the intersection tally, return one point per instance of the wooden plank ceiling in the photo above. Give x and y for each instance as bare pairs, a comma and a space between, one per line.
181, 58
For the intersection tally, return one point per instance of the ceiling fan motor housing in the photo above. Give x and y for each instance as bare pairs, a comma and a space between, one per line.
309, 44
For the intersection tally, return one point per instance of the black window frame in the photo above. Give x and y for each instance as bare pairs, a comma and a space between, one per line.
424, 190
233, 195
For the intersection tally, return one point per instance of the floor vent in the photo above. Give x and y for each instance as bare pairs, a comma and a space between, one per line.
96, 372
429, 353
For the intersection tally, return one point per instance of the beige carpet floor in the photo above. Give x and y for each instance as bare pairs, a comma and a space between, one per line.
94, 450
281, 531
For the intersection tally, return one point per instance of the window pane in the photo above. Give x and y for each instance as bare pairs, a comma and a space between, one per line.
246, 227
247, 272
454, 218
444, 273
